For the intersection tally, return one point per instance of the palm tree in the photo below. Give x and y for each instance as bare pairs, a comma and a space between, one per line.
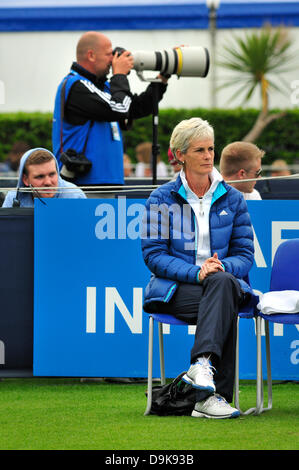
259, 61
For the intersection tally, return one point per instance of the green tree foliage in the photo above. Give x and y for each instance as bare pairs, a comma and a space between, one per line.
258, 62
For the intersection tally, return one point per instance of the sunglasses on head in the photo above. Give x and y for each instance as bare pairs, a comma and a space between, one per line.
256, 173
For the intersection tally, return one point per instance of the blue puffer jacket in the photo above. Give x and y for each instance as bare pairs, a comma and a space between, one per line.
169, 239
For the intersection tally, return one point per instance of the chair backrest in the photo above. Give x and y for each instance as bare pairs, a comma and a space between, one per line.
285, 269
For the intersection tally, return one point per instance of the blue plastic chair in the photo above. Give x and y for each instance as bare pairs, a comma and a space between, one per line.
284, 276
171, 320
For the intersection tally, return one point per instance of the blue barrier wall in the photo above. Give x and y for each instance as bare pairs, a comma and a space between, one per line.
88, 291
73, 15
16, 292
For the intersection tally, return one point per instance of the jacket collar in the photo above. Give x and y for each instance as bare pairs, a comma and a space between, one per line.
99, 82
179, 190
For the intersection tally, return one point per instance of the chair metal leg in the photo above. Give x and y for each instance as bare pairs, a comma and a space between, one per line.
236, 384
150, 366
260, 383
237, 378
161, 353
269, 375
259, 371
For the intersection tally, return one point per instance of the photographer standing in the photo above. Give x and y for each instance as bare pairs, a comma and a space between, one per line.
95, 110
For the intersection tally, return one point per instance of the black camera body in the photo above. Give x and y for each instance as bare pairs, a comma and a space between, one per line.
74, 164
119, 50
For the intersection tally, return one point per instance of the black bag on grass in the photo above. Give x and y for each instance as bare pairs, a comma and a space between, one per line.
175, 398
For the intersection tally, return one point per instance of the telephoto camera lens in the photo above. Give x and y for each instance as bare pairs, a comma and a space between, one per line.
183, 61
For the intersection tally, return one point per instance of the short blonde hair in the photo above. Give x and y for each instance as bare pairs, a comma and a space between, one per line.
237, 156
187, 131
37, 157
279, 165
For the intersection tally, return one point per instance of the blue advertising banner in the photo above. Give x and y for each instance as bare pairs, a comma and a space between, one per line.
76, 15
89, 283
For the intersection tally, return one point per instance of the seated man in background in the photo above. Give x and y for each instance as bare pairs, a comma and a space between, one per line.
128, 168
175, 164
280, 168
11, 164
143, 152
39, 169
242, 161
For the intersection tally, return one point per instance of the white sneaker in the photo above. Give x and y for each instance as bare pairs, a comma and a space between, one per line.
214, 406
200, 375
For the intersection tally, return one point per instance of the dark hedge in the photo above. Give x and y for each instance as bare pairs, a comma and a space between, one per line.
279, 139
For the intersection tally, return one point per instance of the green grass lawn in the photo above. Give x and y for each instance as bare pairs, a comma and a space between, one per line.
65, 414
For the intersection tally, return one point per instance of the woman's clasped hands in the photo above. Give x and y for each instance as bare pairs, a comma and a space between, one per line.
210, 266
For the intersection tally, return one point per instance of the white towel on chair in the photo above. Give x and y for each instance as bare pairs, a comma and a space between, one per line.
283, 301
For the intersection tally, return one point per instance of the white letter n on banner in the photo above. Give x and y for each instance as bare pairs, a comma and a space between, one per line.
113, 299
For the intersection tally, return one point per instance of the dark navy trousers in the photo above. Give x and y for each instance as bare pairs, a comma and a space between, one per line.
213, 306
